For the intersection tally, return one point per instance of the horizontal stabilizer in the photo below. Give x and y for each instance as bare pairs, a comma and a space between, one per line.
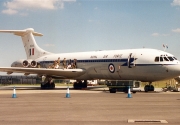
33, 51
22, 32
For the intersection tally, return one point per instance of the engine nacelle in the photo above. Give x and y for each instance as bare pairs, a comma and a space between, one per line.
33, 64
24, 63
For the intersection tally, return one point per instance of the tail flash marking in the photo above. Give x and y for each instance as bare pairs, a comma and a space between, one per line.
31, 51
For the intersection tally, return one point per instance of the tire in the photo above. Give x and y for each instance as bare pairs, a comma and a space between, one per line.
151, 88
146, 88
41, 86
75, 85
112, 90
52, 86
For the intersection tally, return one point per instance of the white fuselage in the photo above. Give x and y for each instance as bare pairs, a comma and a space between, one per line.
131, 64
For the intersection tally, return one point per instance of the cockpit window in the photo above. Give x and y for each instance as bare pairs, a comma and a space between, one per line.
175, 58
161, 59
170, 58
166, 59
156, 59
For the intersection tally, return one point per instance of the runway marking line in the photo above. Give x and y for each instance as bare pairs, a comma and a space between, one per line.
146, 121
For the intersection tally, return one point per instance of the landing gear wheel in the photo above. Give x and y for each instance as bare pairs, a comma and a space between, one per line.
80, 85
146, 88
52, 86
149, 88
112, 90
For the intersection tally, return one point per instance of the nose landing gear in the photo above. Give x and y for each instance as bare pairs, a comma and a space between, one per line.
149, 87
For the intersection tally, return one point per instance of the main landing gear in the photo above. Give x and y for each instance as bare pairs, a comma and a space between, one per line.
149, 87
47, 83
79, 84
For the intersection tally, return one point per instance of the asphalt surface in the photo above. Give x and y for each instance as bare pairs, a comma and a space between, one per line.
95, 106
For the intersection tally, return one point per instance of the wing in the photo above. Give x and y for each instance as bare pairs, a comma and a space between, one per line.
64, 73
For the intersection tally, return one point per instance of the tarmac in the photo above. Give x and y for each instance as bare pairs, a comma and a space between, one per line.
92, 106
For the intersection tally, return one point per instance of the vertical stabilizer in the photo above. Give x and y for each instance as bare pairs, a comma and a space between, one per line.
33, 51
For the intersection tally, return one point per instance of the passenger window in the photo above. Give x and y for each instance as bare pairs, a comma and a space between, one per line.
161, 59
156, 59
170, 58
166, 59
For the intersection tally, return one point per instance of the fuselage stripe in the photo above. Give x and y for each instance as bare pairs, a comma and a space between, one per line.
107, 60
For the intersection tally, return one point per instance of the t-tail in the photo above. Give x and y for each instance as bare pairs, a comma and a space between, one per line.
33, 51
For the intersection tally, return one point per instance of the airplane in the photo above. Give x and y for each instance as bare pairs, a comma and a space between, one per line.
144, 64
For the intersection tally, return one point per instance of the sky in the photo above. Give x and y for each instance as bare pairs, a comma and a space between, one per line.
90, 25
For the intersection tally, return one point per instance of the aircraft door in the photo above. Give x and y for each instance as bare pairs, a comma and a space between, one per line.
131, 61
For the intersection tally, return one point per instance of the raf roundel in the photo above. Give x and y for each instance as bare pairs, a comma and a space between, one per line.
111, 68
